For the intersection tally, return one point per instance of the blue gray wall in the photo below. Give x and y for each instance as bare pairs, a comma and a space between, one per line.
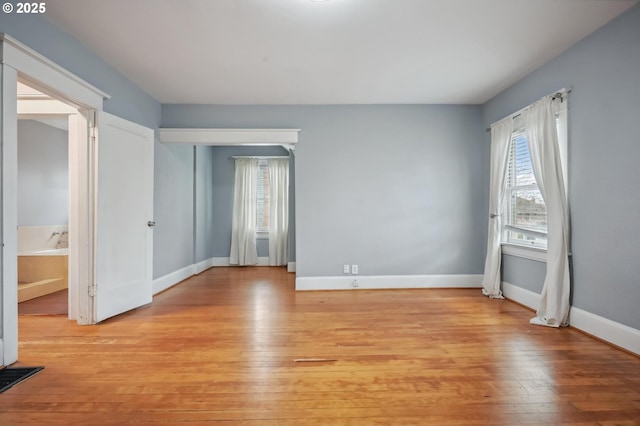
223, 187
394, 189
204, 203
43, 174
604, 149
173, 243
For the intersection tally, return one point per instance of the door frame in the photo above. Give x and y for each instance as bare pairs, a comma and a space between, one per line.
18, 61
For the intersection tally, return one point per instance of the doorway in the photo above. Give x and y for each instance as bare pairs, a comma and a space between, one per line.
43, 202
19, 63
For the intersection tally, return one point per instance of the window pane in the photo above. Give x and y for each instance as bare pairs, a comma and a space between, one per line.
523, 168
528, 210
263, 199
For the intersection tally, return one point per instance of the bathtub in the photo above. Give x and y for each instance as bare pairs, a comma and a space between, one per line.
45, 252
41, 272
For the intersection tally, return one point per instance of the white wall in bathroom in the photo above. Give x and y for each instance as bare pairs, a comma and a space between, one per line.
43, 174
32, 238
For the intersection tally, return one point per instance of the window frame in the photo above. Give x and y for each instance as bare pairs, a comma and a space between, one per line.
531, 251
508, 228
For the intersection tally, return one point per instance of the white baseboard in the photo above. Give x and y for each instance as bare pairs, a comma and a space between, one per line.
613, 332
204, 265
610, 331
518, 294
291, 267
169, 280
389, 282
220, 261
224, 261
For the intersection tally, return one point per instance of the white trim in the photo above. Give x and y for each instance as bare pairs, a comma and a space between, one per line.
82, 216
613, 332
9, 219
176, 277
167, 281
230, 136
75, 173
45, 107
291, 267
204, 265
40, 69
525, 297
224, 261
532, 253
389, 282
220, 261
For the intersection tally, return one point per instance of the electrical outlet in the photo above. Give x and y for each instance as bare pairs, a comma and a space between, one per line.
354, 269
346, 269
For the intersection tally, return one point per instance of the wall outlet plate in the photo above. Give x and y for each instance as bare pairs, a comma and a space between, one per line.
354, 269
346, 270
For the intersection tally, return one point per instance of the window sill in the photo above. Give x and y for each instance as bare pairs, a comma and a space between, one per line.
262, 235
532, 253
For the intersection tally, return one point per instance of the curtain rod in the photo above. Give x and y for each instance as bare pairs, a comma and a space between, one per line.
558, 94
259, 157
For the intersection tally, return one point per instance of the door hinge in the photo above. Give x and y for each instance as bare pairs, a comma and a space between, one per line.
93, 123
93, 289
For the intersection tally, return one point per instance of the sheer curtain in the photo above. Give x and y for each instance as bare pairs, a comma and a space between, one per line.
540, 127
501, 133
278, 211
243, 227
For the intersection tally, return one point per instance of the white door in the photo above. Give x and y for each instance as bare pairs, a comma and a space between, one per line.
124, 211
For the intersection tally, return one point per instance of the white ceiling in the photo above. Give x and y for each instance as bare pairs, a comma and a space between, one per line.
335, 52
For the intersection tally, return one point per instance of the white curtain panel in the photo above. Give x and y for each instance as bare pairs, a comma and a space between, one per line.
542, 137
243, 228
501, 133
279, 211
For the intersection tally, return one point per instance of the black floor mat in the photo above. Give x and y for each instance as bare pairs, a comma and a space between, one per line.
12, 376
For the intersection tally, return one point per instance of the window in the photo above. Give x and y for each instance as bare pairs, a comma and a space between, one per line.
263, 198
526, 221
526, 213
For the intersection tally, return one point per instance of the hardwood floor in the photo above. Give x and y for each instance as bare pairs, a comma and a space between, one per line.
220, 348
51, 304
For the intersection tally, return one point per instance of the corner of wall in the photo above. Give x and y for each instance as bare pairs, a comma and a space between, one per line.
617, 334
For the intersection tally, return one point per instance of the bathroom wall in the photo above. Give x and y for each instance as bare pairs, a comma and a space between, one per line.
43, 174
